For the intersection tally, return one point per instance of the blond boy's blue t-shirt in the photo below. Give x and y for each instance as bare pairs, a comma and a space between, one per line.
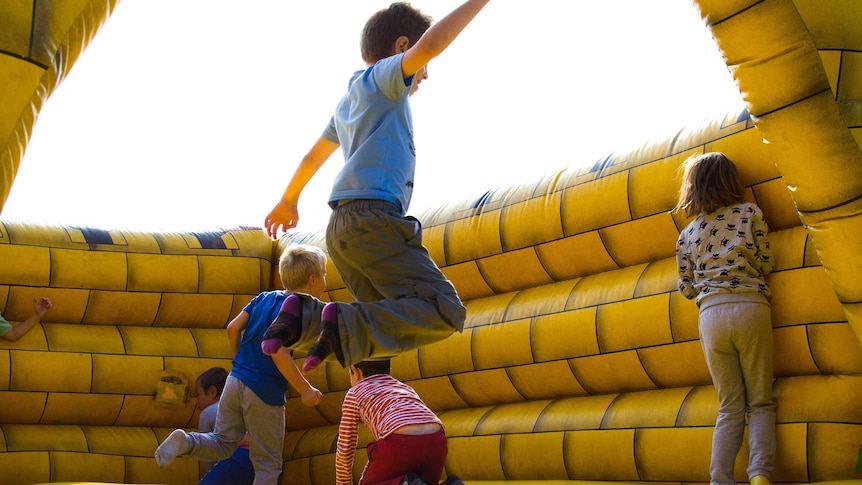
250, 365
374, 126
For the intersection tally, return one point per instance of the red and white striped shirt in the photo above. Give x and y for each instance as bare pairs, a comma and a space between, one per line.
384, 404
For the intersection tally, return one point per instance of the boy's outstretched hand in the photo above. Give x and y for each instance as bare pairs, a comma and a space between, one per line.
283, 216
42, 305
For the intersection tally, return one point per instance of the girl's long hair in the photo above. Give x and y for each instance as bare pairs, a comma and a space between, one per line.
709, 181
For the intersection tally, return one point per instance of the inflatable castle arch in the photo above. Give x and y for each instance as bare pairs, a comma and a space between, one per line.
583, 365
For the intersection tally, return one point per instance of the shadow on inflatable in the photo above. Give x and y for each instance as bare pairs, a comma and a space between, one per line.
579, 362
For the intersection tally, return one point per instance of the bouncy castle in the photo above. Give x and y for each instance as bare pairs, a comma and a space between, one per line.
580, 361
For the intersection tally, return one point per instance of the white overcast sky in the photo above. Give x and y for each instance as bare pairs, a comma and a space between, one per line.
189, 115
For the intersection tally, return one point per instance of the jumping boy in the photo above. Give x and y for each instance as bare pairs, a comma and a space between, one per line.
403, 301
253, 396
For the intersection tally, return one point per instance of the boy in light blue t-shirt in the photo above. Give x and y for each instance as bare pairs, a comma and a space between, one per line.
403, 301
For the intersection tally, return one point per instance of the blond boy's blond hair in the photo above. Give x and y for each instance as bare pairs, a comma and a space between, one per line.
298, 262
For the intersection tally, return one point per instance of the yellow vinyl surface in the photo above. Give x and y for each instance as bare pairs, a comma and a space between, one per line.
579, 360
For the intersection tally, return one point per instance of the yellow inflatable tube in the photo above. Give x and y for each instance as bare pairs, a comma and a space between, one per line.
579, 361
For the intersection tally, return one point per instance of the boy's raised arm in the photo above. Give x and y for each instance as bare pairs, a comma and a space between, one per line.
438, 37
40, 308
285, 214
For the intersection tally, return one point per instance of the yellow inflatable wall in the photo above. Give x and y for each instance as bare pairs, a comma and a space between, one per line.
579, 362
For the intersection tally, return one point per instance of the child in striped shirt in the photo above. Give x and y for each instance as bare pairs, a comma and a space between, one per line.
409, 446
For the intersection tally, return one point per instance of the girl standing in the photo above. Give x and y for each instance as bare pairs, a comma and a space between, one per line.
723, 256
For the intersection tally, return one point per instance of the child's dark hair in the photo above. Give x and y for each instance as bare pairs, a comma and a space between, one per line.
213, 377
373, 367
387, 25
709, 181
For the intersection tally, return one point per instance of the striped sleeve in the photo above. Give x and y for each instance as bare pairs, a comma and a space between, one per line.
347, 436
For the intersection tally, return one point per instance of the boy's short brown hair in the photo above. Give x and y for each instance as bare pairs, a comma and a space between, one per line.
387, 25
213, 377
298, 262
374, 367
